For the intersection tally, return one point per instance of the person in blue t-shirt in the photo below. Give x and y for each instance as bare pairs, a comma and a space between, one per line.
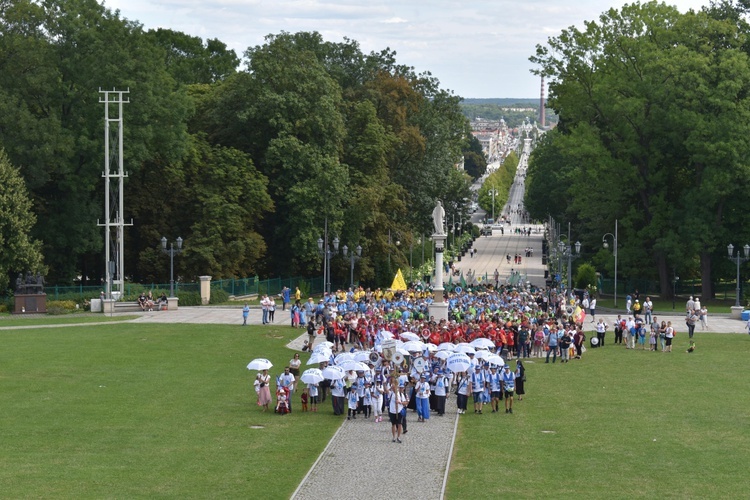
509, 385
552, 340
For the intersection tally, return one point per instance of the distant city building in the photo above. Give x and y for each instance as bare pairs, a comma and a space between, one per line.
491, 135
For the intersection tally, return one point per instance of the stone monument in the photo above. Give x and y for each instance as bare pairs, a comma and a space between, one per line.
439, 308
29, 295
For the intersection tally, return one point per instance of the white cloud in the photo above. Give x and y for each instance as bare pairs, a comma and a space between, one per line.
478, 48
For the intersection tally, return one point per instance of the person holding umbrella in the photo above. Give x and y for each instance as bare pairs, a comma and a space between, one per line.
264, 389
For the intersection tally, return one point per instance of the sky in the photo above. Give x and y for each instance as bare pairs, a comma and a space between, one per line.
475, 49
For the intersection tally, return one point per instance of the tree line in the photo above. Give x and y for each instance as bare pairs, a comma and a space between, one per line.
246, 158
654, 115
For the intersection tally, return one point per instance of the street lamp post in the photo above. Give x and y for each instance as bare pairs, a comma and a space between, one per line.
494, 193
739, 259
567, 251
353, 257
674, 289
614, 251
171, 251
325, 251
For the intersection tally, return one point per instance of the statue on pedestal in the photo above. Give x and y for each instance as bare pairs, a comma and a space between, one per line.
438, 214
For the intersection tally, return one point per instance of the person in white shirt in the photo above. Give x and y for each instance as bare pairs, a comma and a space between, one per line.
422, 392
288, 381
496, 387
601, 329
630, 333
648, 308
441, 391
377, 401
338, 395
477, 387
395, 405
592, 309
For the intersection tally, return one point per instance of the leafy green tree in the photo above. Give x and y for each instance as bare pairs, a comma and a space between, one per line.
189, 60
650, 104
20, 252
55, 55
475, 163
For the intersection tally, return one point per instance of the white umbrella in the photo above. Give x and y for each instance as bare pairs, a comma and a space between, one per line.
363, 356
323, 347
334, 372
386, 334
319, 357
482, 343
344, 357
465, 349
413, 346
494, 359
409, 336
259, 364
431, 347
481, 354
354, 365
447, 346
458, 362
403, 351
443, 355
312, 376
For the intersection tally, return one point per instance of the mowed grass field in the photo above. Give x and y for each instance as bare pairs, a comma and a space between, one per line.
148, 411
160, 411
618, 424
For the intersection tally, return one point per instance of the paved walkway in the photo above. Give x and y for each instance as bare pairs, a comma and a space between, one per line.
345, 468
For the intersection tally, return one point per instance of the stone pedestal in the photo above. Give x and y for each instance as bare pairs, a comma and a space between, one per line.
108, 306
205, 289
736, 312
172, 303
30, 303
439, 308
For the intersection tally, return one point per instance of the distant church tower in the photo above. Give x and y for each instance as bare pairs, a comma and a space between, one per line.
542, 118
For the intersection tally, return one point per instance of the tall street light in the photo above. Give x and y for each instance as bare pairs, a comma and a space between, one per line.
739, 259
325, 251
614, 251
567, 251
494, 193
171, 251
354, 257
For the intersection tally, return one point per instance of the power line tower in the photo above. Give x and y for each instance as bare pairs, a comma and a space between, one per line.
114, 206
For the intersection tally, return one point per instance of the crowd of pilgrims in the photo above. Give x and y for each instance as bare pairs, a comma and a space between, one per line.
519, 323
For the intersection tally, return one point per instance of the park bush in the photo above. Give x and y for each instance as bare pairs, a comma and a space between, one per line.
190, 298
55, 307
218, 296
585, 276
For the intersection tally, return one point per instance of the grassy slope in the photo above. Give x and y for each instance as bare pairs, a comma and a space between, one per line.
625, 423
148, 411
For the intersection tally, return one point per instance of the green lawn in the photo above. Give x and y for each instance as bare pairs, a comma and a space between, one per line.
617, 424
143, 410
148, 411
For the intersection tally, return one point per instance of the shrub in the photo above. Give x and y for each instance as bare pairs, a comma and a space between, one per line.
190, 299
60, 306
585, 276
304, 288
218, 296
